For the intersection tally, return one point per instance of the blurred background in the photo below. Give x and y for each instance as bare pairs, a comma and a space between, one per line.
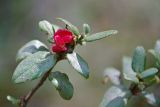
138, 23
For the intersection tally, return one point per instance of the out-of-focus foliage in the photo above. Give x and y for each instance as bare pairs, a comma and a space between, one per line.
140, 78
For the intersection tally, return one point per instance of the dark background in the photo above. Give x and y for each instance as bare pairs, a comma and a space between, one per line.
138, 23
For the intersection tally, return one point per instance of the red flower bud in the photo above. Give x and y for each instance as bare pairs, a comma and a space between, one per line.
62, 38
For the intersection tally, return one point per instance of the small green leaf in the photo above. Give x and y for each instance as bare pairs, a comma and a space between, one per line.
112, 93
46, 27
73, 28
62, 84
86, 29
34, 66
117, 102
30, 48
100, 35
128, 72
149, 72
139, 59
79, 64
113, 74
13, 100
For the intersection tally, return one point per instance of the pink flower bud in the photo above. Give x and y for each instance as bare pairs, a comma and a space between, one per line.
62, 38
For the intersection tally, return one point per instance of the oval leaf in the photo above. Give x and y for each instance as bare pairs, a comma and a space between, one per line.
139, 59
62, 84
149, 72
73, 28
30, 48
34, 66
79, 64
128, 72
100, 35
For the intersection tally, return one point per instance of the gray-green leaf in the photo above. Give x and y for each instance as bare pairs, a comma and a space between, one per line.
100, 35
46, 27
139, 59
86, 29
62, 84
30, 48
113, 93
128, 72
117, 102
73, 28
79, 64
149, 72
34, 66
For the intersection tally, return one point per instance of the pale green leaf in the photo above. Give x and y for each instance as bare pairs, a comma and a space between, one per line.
30, 48
46, 27
112, 93
62, 84
79, 64
139, 59
34, 66
149, 72
128, 72
100, 35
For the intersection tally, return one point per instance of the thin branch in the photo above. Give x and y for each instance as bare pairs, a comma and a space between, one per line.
25, 99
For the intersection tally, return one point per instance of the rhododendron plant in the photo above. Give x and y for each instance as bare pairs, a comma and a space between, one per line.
138, 76
37, 60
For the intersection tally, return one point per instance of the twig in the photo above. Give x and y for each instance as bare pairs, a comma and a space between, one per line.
25, 99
